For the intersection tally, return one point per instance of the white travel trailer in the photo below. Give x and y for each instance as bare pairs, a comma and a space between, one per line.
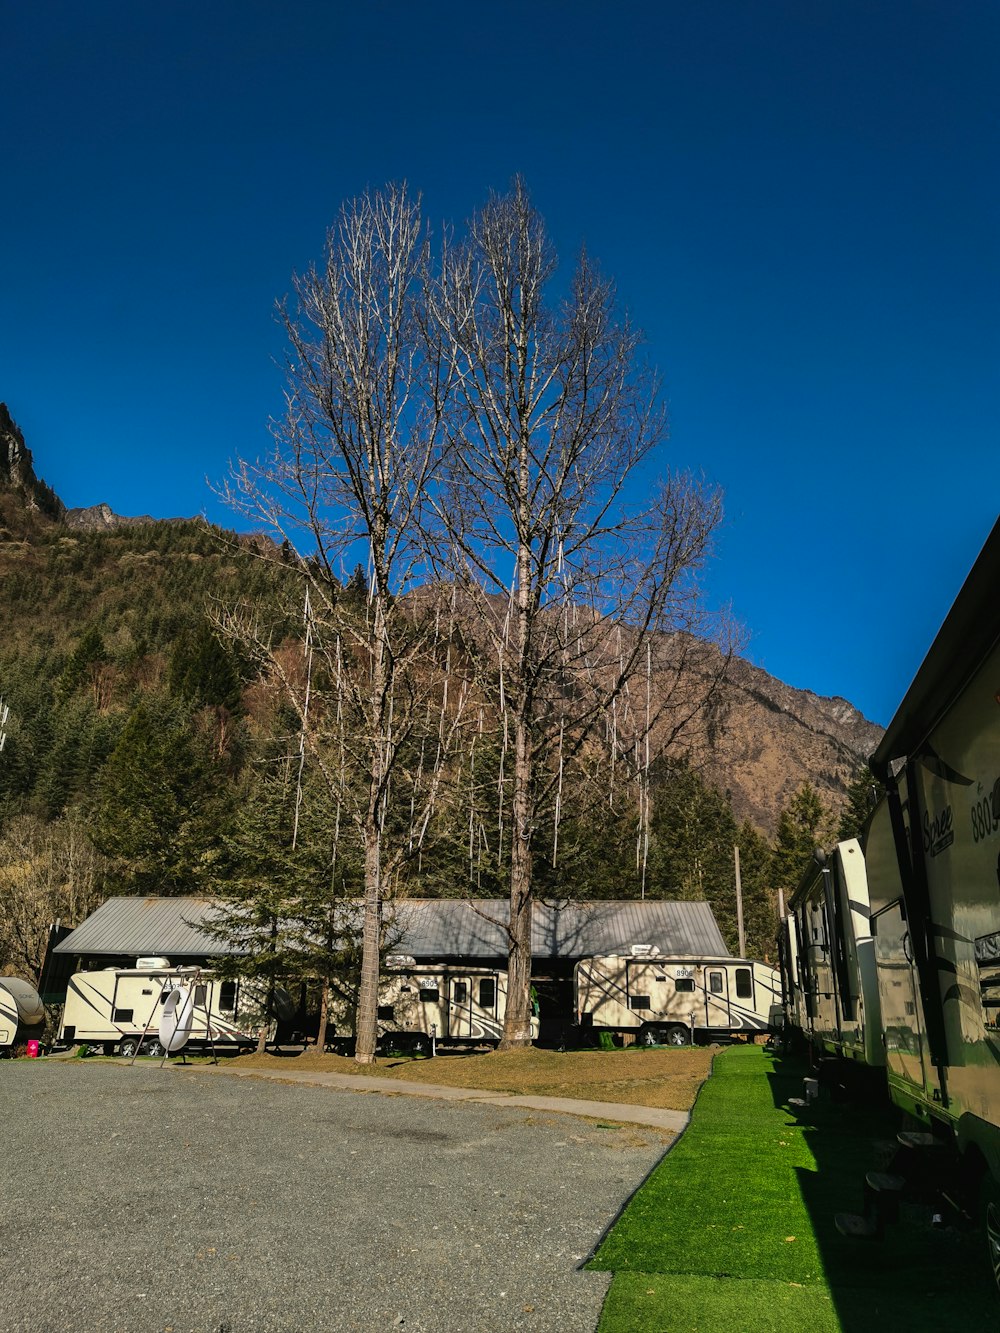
933, 852
834, 984
119, 1008
22, 1014
675, 1000
420, 1005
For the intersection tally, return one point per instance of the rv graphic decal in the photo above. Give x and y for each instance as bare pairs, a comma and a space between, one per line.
939, 832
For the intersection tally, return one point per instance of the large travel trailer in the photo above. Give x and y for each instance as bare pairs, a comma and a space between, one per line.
675, 1000
119, 1008
831, 983
933, 853
22, 1014
420, 1006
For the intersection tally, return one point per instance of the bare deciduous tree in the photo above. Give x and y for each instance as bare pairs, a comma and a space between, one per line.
356, 460
48, 872
587, 600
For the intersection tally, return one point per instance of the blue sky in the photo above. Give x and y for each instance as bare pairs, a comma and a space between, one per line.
799, 201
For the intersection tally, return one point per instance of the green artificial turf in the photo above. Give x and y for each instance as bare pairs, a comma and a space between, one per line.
737, 1223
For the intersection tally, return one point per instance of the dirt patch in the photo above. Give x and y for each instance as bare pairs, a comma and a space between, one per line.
666, 1078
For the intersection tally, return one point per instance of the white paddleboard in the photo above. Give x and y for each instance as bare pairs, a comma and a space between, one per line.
176, 1019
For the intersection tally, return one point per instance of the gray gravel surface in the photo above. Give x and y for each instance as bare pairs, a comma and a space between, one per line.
148, 1200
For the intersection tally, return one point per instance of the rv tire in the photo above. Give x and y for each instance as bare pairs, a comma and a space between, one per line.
990, 1212
649, 1035
154, 1047
129, 1046
677, 1036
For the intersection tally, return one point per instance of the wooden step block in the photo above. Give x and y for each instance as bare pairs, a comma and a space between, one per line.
856, 1226
915, 1138
883, 1182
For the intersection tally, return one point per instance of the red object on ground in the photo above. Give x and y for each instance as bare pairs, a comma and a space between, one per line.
32, 1050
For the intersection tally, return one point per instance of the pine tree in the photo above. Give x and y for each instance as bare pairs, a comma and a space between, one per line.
802, 826
862, 797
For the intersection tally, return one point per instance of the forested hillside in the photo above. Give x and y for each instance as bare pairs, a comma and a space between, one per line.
149, 752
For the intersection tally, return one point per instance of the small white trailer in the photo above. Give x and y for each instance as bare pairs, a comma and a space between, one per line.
119, 1008
674, 1001
422, 1004
22, 1014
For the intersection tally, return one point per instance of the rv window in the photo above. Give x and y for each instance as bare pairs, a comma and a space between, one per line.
715, 983
164, 996
684, 984
146, 992
386, 1013
459, 992
487, 993
429, 994
227, 996
200, 995
638, 1002
123, 1016
405, 990
744, 983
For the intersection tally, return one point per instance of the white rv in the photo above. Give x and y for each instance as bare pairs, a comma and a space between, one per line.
933, 852
22, 1014
834, 996
674, 1000
119, 1008
420, 1005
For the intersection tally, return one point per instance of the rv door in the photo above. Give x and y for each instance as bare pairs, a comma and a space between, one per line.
717, 1013
473, 1008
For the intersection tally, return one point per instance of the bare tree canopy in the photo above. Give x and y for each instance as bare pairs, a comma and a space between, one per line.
486, 445
586, 598
350, 478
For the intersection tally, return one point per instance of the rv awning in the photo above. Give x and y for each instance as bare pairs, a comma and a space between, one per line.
425, 928
970, 630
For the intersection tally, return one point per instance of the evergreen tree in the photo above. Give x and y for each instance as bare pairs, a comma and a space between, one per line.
862, 796
161, 804
760, 917
802, 826
284, 891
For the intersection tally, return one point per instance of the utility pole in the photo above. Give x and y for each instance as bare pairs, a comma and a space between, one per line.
739, 903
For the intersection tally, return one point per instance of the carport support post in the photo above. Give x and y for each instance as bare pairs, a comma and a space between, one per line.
739, 903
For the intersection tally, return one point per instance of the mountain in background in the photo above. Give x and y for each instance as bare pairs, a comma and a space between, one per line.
145, 582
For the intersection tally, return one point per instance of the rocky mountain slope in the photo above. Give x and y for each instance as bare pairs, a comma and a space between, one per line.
769, 738
765, 738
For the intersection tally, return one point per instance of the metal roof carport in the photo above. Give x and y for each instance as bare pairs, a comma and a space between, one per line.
425, 928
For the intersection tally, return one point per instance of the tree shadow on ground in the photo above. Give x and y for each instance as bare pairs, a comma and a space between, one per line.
918, 1275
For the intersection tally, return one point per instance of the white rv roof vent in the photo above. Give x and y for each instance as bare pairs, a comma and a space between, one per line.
643, 950
399, 960
152, 962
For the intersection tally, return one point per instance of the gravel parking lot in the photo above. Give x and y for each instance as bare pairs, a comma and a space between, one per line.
148, 1200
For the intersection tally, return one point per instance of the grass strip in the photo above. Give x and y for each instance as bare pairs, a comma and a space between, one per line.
744, 1205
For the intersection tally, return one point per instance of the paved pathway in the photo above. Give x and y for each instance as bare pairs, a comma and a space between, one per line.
657, 1117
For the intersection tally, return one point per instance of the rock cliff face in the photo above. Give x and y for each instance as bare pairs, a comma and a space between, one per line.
100, 518
16, 470
769, 738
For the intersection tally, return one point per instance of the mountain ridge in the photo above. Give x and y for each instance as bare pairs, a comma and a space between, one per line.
765, 737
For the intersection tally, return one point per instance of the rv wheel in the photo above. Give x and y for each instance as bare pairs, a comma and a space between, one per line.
648, 1036
154, 1048
421, 1044
678, 1036
991, 1220
129, 1046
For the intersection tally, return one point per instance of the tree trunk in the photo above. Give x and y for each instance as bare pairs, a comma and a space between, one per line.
366, 1023
517, 1021
324, 1014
